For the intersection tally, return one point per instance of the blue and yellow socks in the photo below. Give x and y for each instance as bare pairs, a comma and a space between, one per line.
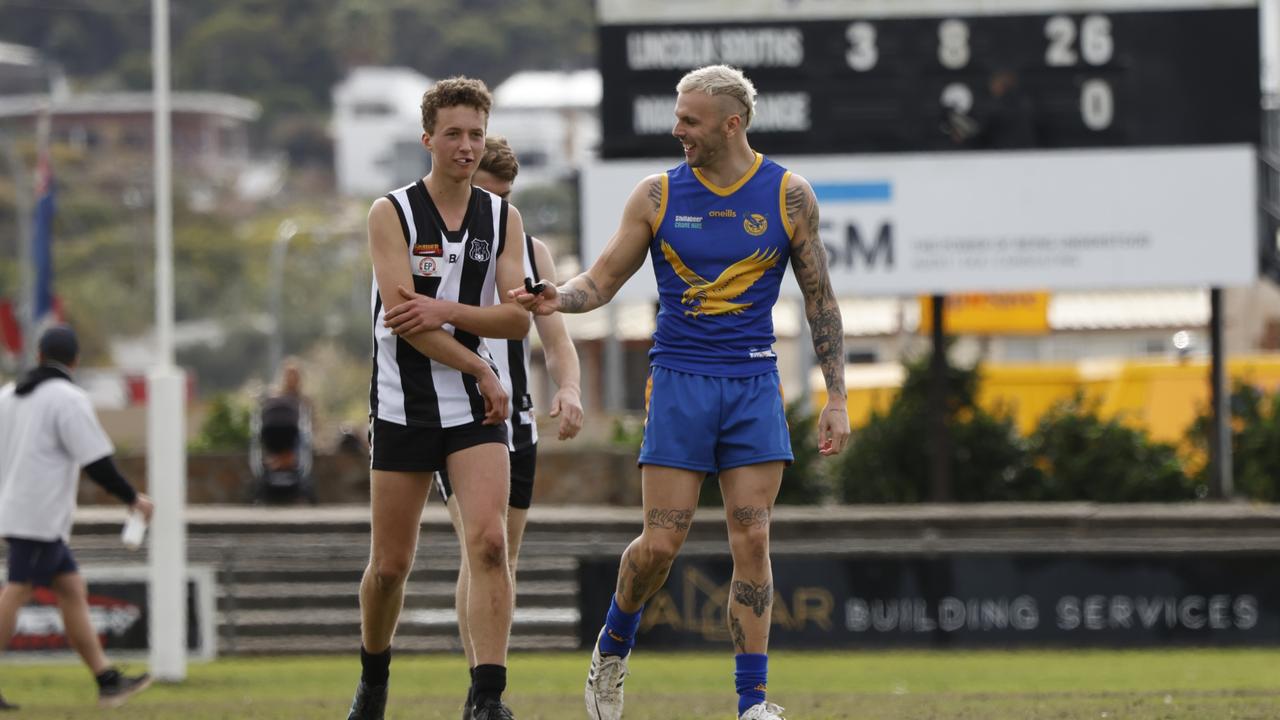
620, 628
751, 678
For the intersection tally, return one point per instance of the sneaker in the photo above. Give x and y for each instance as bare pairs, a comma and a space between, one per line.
763, 711
5, 705
604, 685
369, 703
114, 689
492, 711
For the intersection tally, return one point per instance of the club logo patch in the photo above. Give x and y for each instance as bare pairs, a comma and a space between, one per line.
755, 224
479, 250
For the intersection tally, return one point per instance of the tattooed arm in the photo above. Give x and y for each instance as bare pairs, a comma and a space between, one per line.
617, 263
809, 261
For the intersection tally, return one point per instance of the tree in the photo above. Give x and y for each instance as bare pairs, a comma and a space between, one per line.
888, 459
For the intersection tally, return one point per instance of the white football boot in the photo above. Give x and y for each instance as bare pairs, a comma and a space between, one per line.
763, 711
604, 685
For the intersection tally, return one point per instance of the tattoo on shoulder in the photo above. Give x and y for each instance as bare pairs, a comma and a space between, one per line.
655, 193
796, 201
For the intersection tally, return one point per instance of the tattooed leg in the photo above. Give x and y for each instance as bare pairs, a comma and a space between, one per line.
749, 493
670, 495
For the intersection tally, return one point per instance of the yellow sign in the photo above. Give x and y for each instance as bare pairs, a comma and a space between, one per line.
990, 314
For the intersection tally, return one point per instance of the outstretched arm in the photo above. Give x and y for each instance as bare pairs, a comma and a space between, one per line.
621, 257
809, 261
387, 249
562, 356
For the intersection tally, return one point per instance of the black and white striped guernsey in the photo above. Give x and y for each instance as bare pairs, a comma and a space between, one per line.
512, 358
408, 388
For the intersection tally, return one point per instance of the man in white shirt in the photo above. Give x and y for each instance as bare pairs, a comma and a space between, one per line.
48, 432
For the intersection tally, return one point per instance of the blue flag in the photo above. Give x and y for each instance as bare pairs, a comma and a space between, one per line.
42, 242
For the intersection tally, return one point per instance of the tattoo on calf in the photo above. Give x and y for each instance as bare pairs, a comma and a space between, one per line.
643, 585
670, 519
751, 516
757, 597
739, 637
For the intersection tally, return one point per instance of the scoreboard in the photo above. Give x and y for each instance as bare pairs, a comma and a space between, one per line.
968, 145
900, 76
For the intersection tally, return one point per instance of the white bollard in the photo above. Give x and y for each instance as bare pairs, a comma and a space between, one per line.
167, 486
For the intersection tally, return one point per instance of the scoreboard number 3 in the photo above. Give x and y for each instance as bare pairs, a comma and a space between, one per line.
863, 53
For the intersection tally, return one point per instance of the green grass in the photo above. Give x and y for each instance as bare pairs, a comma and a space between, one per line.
995, 685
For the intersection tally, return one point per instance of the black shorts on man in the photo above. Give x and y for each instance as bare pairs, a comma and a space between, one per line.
38, 562
408, 448
524, 463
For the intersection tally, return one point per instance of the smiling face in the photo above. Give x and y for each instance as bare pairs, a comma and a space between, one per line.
458, 141
703, 126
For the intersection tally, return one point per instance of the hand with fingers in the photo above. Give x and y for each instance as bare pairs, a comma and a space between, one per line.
567, 405
417, 313
497, 403
540, 298
143, 504
833, 429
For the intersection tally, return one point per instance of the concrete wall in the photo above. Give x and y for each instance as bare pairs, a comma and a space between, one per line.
599, 476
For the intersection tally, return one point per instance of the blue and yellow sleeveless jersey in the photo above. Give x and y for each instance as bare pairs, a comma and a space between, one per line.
719, 254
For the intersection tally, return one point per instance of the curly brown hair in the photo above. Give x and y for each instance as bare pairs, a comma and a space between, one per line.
450, 92
499, 159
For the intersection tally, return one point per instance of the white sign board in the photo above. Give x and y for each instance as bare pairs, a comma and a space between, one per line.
1004, 221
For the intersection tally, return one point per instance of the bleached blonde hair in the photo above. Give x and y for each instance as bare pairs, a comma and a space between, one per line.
722, 80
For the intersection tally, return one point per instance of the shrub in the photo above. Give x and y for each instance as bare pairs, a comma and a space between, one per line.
889, 458
1255, 443
1077, 455
226, 427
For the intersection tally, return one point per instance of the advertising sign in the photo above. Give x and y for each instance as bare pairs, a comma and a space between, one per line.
977, 600
998, 222
118, 609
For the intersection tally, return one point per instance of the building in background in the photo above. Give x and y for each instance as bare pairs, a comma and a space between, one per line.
551, 119
210, 130
377, 130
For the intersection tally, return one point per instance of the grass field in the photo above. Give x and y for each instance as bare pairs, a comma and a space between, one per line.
1181, 684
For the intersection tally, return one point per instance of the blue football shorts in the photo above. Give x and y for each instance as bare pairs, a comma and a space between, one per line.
700, 422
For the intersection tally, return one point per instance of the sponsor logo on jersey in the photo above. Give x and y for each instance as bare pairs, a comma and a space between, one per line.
730, 213
689, 222
428, 266
428, 249
755, 224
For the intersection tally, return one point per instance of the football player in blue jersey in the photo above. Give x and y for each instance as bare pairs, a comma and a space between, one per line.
720, 228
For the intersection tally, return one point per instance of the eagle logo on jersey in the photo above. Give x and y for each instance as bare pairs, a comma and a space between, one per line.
479, 250
712, 298
755, 224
